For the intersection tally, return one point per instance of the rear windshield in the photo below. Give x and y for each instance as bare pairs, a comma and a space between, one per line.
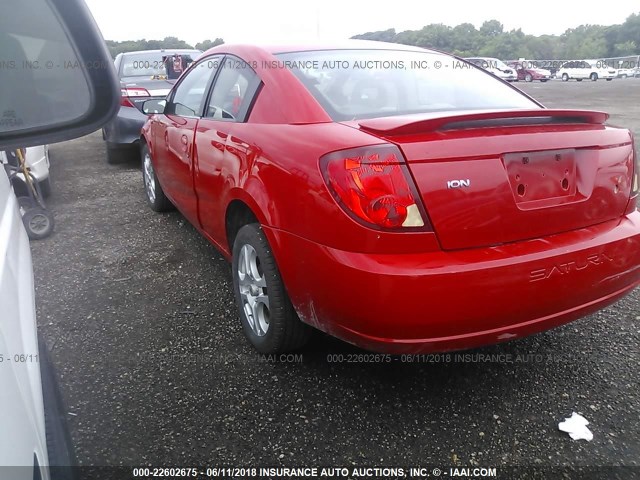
353, 84
153, 64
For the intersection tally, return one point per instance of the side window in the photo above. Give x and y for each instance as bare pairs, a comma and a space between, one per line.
189, 94
233, 91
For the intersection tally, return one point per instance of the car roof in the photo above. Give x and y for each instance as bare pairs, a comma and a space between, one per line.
318, 46
163, 50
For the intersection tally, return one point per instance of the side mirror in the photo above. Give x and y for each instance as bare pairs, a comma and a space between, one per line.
57, 78
154, 106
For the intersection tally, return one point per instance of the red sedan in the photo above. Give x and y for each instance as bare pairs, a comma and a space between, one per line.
394, 197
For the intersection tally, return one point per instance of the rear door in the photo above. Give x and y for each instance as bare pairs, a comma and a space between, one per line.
222, 149
583, 70
174, 135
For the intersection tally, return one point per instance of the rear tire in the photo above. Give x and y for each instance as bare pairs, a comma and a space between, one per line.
565, 77
117, 155
528, 77
156, 198
268, 318
609, 79
593, 77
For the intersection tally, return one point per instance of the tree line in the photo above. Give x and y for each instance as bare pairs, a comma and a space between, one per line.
169, 42
491, 40
465, 40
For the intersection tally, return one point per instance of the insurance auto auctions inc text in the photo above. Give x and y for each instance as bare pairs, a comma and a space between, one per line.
374, 472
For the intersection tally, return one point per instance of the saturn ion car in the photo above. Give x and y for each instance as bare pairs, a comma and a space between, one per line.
397, 207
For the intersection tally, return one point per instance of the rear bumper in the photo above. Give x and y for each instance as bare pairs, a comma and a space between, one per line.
439, 301
124, 129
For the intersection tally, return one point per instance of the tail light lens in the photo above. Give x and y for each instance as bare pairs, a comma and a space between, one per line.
125, 93
373, 186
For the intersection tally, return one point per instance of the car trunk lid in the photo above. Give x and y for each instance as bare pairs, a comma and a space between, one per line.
493, 177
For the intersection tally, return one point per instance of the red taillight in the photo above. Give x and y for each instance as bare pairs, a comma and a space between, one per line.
373, 185
125, 93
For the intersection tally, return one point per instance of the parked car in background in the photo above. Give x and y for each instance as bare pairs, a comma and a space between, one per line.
495, 66
528, 72
143, 75
37, 159
585, 69
625, 73
402, 210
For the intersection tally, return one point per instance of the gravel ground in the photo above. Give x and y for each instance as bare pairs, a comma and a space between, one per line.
139, 312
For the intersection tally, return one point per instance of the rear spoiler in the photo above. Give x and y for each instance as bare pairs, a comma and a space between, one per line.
429, 122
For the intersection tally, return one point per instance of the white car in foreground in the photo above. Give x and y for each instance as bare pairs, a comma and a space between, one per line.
586, 69
34, 439
37, 159
30, 405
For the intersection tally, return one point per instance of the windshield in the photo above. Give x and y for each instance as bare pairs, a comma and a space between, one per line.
150, 64
353, 84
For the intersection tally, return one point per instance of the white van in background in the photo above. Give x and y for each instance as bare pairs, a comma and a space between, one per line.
586, 69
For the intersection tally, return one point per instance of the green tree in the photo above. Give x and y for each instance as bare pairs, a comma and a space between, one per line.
491, 28
466, 40
207, 44
381, 36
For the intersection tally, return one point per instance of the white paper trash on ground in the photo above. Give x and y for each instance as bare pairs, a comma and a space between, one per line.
576, 427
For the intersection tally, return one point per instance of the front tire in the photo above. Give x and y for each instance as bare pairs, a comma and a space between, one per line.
528, 78
565, 77
593, 77
268, 318
156, 198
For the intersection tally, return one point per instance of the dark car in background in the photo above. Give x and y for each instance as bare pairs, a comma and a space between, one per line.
143, 75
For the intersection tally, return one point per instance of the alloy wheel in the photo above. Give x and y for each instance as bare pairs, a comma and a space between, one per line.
253, 291
149, 178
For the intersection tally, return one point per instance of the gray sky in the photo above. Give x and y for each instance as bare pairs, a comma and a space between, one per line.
260, 21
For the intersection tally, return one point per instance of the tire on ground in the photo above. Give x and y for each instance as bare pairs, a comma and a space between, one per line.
160, 203
285, 331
